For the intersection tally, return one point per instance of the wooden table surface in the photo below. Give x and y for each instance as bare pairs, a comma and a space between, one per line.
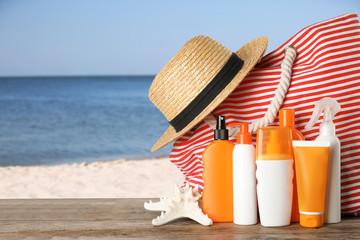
127, 218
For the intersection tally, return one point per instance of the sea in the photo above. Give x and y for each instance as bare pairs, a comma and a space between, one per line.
48, 121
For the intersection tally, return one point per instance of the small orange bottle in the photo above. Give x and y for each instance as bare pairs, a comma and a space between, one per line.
287, 119
218, 175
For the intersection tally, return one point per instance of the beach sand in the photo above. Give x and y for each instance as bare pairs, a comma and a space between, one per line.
113, 179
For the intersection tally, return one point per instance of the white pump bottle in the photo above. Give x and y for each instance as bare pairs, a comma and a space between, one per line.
330, 107
244, 180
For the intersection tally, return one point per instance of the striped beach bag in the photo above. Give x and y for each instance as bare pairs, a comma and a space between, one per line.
327, 65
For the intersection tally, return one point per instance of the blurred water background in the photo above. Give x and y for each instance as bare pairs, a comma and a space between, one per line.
57, 120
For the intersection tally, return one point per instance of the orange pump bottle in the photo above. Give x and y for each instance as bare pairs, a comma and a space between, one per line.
218, 175
287, 119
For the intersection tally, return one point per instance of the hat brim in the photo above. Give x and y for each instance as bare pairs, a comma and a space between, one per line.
251, 54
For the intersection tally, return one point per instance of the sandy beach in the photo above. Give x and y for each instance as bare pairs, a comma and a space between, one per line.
113, 179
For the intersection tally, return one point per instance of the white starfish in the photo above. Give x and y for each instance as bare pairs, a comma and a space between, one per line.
163, 204
184, 204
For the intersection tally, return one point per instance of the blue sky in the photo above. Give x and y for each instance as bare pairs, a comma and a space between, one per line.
109, 37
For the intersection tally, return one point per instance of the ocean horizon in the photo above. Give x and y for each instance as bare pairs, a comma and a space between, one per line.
52, 120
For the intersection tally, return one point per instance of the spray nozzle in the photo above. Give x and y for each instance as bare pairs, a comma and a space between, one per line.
220, 124
330, 107
221, 133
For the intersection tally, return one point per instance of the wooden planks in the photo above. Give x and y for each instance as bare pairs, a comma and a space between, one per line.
127, 218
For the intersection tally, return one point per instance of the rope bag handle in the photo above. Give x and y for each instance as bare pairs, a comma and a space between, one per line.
276, 102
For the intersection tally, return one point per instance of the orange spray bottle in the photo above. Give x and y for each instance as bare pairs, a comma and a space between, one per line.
218, 175
287, 119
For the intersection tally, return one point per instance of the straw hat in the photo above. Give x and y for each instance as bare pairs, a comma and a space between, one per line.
197, 79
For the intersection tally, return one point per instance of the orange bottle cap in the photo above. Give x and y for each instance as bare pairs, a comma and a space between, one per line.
274, 143
243, 137
311, 221
287, 118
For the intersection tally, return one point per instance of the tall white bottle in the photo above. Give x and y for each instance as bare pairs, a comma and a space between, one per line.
244, 180
274, 173
330, 106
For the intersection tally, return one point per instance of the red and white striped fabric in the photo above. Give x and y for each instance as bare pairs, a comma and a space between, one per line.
328, 65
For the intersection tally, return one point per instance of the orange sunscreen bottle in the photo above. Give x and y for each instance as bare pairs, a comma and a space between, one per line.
311, 160
274, 161
218, 175
287, 119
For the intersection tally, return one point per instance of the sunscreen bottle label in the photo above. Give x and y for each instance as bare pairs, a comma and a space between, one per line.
275, 191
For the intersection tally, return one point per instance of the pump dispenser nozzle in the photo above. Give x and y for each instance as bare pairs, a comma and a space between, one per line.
243, 137
274, 146
221, 133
